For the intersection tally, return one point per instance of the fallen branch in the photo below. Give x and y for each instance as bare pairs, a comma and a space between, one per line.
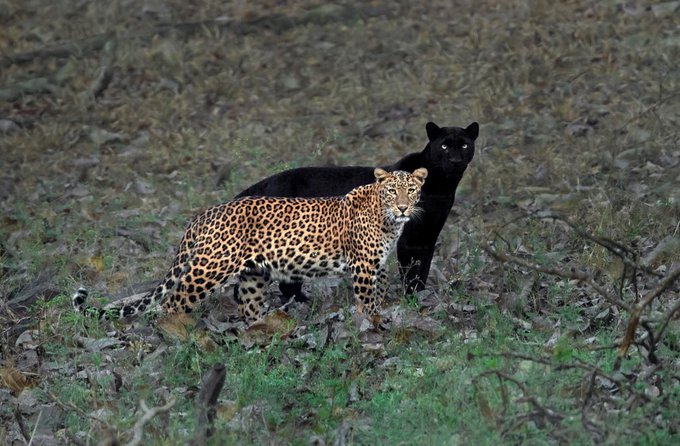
551, 415
72, 407
616, 248
637, 312
146, 417
205, 403
570, 274
104, 73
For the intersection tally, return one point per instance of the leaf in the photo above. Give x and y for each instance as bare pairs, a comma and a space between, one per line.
260, 332
484, 407
176, 325
13, 379
97, 262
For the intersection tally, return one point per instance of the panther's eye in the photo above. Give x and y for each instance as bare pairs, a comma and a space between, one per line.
444, 146
391, 191
464, 146
411, 190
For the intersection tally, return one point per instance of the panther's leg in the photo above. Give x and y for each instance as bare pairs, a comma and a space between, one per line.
251, 288
293, 289
414, 266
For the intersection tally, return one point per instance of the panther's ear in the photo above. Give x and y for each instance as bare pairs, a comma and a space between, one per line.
433, 130
380, 174
472, 130
420, 175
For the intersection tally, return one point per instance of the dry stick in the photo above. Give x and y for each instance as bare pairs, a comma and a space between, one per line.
146, 417
568, 366
205, 403
70, 406
667, 319
36, 85
35, 428
573, 274
104, 75
552, 415
615, 247
587, 424
637, 312
22, 425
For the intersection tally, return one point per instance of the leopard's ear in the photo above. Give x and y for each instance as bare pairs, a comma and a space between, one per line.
380, 174
420, 174
433, 130
472, 130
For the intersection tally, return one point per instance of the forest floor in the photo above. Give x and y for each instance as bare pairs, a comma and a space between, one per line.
552, 312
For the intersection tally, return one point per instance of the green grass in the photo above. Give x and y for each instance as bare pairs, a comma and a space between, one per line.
204, 115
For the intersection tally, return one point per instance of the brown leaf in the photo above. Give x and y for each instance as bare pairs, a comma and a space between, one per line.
14, 379
260, 332
176, 325
484, 407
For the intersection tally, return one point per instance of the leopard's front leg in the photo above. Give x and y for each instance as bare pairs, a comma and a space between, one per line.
368, 289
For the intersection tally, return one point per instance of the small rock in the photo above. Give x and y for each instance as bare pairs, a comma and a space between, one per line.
665, 9
143, 187
100, 136
26, 339
578, 130
27, 401
8, 126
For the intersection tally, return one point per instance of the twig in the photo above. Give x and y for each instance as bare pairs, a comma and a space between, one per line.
667, 319
637, 312
613, 246
36, 85
571, 274
104, 74
70, 406
587, 424
22, 424
146, 417
205, 403
35, 428
551, 415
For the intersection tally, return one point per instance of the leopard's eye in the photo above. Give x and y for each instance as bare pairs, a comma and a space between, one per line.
464, 146
444, 146
411, 190
391, 191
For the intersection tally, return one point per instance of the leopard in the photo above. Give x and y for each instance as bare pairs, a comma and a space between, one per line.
261, 239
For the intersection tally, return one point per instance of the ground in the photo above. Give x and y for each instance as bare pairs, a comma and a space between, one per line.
551, 315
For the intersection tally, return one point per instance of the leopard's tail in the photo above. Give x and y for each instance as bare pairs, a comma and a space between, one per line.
117, 310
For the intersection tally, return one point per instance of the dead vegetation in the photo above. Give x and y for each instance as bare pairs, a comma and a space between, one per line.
552, 310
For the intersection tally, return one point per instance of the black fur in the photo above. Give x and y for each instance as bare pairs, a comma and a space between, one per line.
445, 167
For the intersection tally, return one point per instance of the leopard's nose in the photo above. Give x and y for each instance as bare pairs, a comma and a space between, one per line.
402, 208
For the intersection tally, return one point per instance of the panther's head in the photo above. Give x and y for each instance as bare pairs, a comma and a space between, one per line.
400, 192
451, 148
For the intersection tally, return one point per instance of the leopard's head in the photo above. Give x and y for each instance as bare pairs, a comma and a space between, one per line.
451, 148
400, 192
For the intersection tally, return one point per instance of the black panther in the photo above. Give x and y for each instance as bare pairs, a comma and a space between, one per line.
446, 156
